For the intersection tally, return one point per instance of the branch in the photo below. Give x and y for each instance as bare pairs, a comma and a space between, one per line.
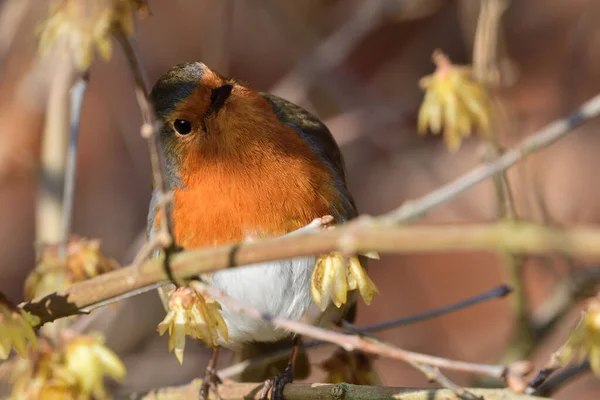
541, 139
577, 286
358, 236
512, 374
433, 373
495, 293
77, 94
558, 380
165, 236
314, 391
54, 148
332, 51
486, 70
237, 369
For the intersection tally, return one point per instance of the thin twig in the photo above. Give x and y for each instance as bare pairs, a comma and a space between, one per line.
236, 369
541, 139
486, 70
77, 95
512, 373
435, 375
495, 293
432, 373
558, 380
488, 38
554, 363
332, 51
54, 149
580, 284
149, 131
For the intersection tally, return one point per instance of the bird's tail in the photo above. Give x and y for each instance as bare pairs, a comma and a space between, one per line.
273, 365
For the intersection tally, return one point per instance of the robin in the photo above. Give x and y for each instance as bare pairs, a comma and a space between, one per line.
243, 164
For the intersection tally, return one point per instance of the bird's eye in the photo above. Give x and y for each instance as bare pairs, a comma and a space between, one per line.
182, 126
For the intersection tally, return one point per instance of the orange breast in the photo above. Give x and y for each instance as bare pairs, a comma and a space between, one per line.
225, 201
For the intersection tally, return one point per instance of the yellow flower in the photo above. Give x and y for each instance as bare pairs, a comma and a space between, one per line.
83, 260
333, 276
42, 376
584, 341
454, 101
73, 369
16, 328
354, 367
84, 24
192, 314
89, 361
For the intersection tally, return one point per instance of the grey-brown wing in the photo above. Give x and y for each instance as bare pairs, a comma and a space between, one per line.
320, 139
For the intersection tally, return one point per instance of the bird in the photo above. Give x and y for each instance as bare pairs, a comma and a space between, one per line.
244, 165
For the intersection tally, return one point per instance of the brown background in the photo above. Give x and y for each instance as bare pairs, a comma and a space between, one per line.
370, 102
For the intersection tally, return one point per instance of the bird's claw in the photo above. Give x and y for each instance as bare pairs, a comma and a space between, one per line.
210, 382
277, 384
315, 225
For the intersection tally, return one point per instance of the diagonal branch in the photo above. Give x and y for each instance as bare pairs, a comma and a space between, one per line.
498, 292
511, 373
164, 237
543, 138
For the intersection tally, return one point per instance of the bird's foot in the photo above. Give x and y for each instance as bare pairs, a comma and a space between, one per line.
210, 382
315, 225
277, 383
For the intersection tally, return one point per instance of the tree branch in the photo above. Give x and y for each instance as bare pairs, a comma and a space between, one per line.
77, 94
314, 391
512, 374
360, 235
237, 369
165, 236
543, 138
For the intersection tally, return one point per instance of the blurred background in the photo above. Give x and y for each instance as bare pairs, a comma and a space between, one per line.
356, 65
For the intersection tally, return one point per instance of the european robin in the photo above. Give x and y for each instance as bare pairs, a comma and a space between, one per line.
243, 164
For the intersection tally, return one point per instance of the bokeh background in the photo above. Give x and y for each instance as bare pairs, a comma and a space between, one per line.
364, 84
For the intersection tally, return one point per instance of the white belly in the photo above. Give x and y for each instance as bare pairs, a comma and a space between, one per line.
279, 288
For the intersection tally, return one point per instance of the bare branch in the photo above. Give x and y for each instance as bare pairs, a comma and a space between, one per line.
77, 94
149, 131
318, 391
236, 369
360, 235
495, 293
543, 138
512, 373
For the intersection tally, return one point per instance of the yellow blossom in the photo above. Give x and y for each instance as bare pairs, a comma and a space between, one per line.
333, 276
41, 376
354, 367
72, 369
16, 328
89, 361
454, 102
584, 341
83, 260
192, 314
84, 24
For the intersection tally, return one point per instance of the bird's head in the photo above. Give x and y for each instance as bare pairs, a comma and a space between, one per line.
207, 119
